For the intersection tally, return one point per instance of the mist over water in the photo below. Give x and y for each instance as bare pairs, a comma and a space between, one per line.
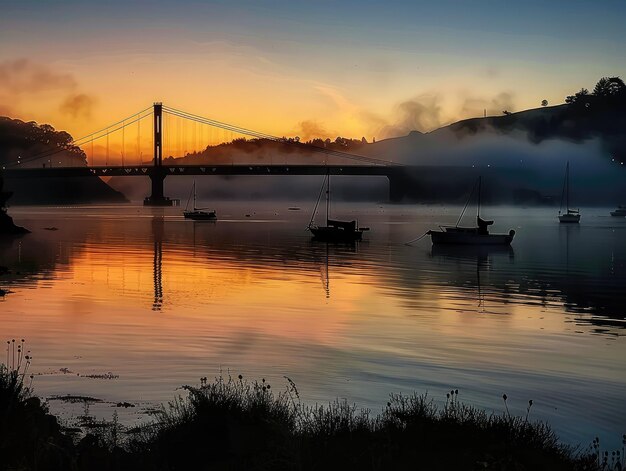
160, 302
596, 177
512, 163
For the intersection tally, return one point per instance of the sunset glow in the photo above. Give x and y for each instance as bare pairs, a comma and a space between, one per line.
277, 234
308, 71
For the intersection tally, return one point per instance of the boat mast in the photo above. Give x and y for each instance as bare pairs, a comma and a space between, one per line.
469, 198
480, 178
563, 191
327, 195
194, 195
317, 203
567, 186
189, 198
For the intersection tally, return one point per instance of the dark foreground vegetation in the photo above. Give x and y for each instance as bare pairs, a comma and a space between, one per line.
234, 424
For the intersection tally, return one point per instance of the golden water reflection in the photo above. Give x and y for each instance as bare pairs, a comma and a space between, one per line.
161, 301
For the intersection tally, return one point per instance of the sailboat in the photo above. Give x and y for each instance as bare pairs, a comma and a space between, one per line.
479, 235
198, 214
334, 230
571, 215
620, 212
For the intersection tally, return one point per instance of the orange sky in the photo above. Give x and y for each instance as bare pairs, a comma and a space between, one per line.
350, 70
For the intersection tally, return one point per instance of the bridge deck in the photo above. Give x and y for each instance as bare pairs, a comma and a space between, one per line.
146, 170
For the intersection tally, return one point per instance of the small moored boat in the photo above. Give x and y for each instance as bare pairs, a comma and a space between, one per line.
339, 231
198, 214
334, 230
479, 235
620, 212
570, 215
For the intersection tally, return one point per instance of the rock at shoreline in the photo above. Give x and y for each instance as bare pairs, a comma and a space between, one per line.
8, 227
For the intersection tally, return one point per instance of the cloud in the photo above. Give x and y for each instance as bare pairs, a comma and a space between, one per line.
22, 80
336, 98
419, 114
19, 76
476, 106
374, 122
78, 105
310, 129
425, 113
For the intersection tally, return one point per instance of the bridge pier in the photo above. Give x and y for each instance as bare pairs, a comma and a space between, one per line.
157, 177
157, 173
399, 186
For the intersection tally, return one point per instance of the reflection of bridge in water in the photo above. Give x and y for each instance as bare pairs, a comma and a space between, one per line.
157, 264
489, 273
493, 277
345, 163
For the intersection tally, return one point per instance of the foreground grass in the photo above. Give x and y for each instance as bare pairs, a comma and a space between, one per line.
230, 423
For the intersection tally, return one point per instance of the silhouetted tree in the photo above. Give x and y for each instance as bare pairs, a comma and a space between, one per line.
578, 97
609, 87
544, 102
28, 139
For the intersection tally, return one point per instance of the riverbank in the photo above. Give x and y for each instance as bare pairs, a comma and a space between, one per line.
231, 423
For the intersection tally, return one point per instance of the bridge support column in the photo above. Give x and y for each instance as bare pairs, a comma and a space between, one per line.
157, 174
399, 186
157, 177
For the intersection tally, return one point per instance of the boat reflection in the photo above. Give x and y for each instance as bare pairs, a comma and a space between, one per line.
159, 300
567, 269
473, 252
480, 255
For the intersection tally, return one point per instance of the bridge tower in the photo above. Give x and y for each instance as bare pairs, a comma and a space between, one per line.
157, 173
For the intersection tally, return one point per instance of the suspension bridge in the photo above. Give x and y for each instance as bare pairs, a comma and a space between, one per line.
118, 151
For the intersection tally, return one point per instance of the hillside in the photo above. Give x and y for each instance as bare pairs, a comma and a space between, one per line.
523, 155
29, 144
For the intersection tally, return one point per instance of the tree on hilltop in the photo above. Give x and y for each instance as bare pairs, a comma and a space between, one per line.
577, 97
609, 87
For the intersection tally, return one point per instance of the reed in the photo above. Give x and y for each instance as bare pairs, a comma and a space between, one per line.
233, 423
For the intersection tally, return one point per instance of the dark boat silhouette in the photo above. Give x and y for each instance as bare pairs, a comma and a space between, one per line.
334, 230
479, 235
571, 215
198, 214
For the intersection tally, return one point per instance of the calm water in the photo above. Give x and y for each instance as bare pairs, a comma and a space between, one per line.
159, 302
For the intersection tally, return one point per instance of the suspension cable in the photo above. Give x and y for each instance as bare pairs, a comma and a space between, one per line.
111, 125
260, 135
137, 117
227, 127
76, 143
